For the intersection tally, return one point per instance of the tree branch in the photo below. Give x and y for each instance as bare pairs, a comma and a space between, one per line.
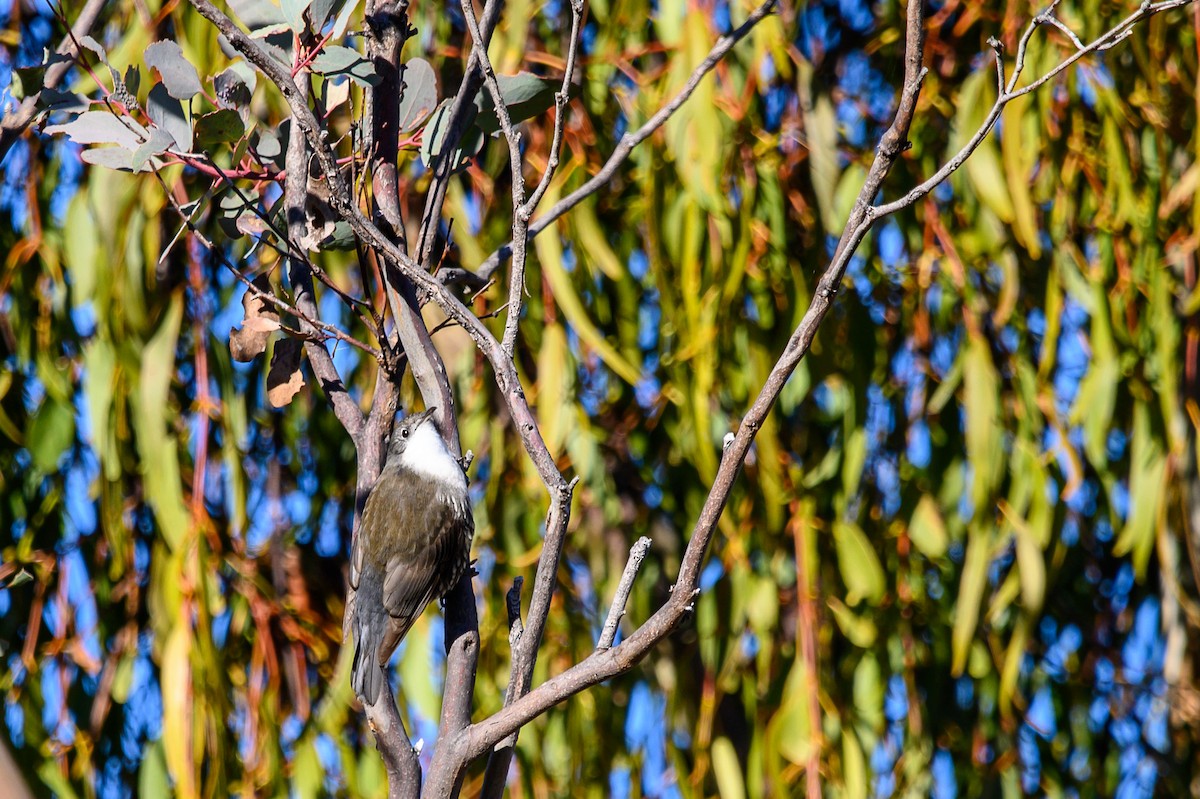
606, 663
637, 554
295, 196
444, 166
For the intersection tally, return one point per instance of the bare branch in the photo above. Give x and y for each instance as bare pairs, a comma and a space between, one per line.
516, 280
1050, 19
606, 663
561, 98
1105, 41
637, 554
295, 195
443, 167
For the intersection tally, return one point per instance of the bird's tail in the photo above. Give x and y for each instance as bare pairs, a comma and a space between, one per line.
367, 677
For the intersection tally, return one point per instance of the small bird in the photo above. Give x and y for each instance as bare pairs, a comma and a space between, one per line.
414, 543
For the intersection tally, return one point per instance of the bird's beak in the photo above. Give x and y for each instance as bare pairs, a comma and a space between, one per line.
428, 413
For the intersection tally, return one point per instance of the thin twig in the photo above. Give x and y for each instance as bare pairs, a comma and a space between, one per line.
623, 150
326, 330
516, 280
616, 611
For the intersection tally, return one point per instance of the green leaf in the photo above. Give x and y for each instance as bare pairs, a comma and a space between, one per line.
101, 127
307, 774
859, 630
854, 766
293, 12
927, 529
1147, 484
178, 75
983, 168
555, 366
419, 97
158, 449
970, 595
730, 782
868, 692
53, 778
1097, 397
176, 699
820, 123
337, 60
434, 136
981, 401
152, 776
525, 96
52, 432
859, 565
219, 127
168, 113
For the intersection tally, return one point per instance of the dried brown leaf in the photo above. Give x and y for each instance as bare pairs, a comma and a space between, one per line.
284, 380
260, 321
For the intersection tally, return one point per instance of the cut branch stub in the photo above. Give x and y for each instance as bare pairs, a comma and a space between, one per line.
285, 380
259, 323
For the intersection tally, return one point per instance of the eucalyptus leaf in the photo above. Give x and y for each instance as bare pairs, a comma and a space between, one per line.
178, 75
338, 60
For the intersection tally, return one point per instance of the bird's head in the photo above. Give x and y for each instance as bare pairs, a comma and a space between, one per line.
417, 446
414, 435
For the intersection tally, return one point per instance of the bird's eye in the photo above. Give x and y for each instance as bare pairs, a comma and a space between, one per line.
404, 433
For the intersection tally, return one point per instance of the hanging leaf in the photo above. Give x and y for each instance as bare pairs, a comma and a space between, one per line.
1147, 473
102, 127
285, 380
178, 75
260, 320
859, 565
731, 784
168, 114
219, 127
525, 96
419, 98
927, 529
970, 595
177, 705
981, 401
52, 432
338, 60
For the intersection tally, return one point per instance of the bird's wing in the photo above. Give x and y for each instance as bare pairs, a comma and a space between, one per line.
414, 578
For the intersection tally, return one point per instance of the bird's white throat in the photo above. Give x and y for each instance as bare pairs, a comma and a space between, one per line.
427, 455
